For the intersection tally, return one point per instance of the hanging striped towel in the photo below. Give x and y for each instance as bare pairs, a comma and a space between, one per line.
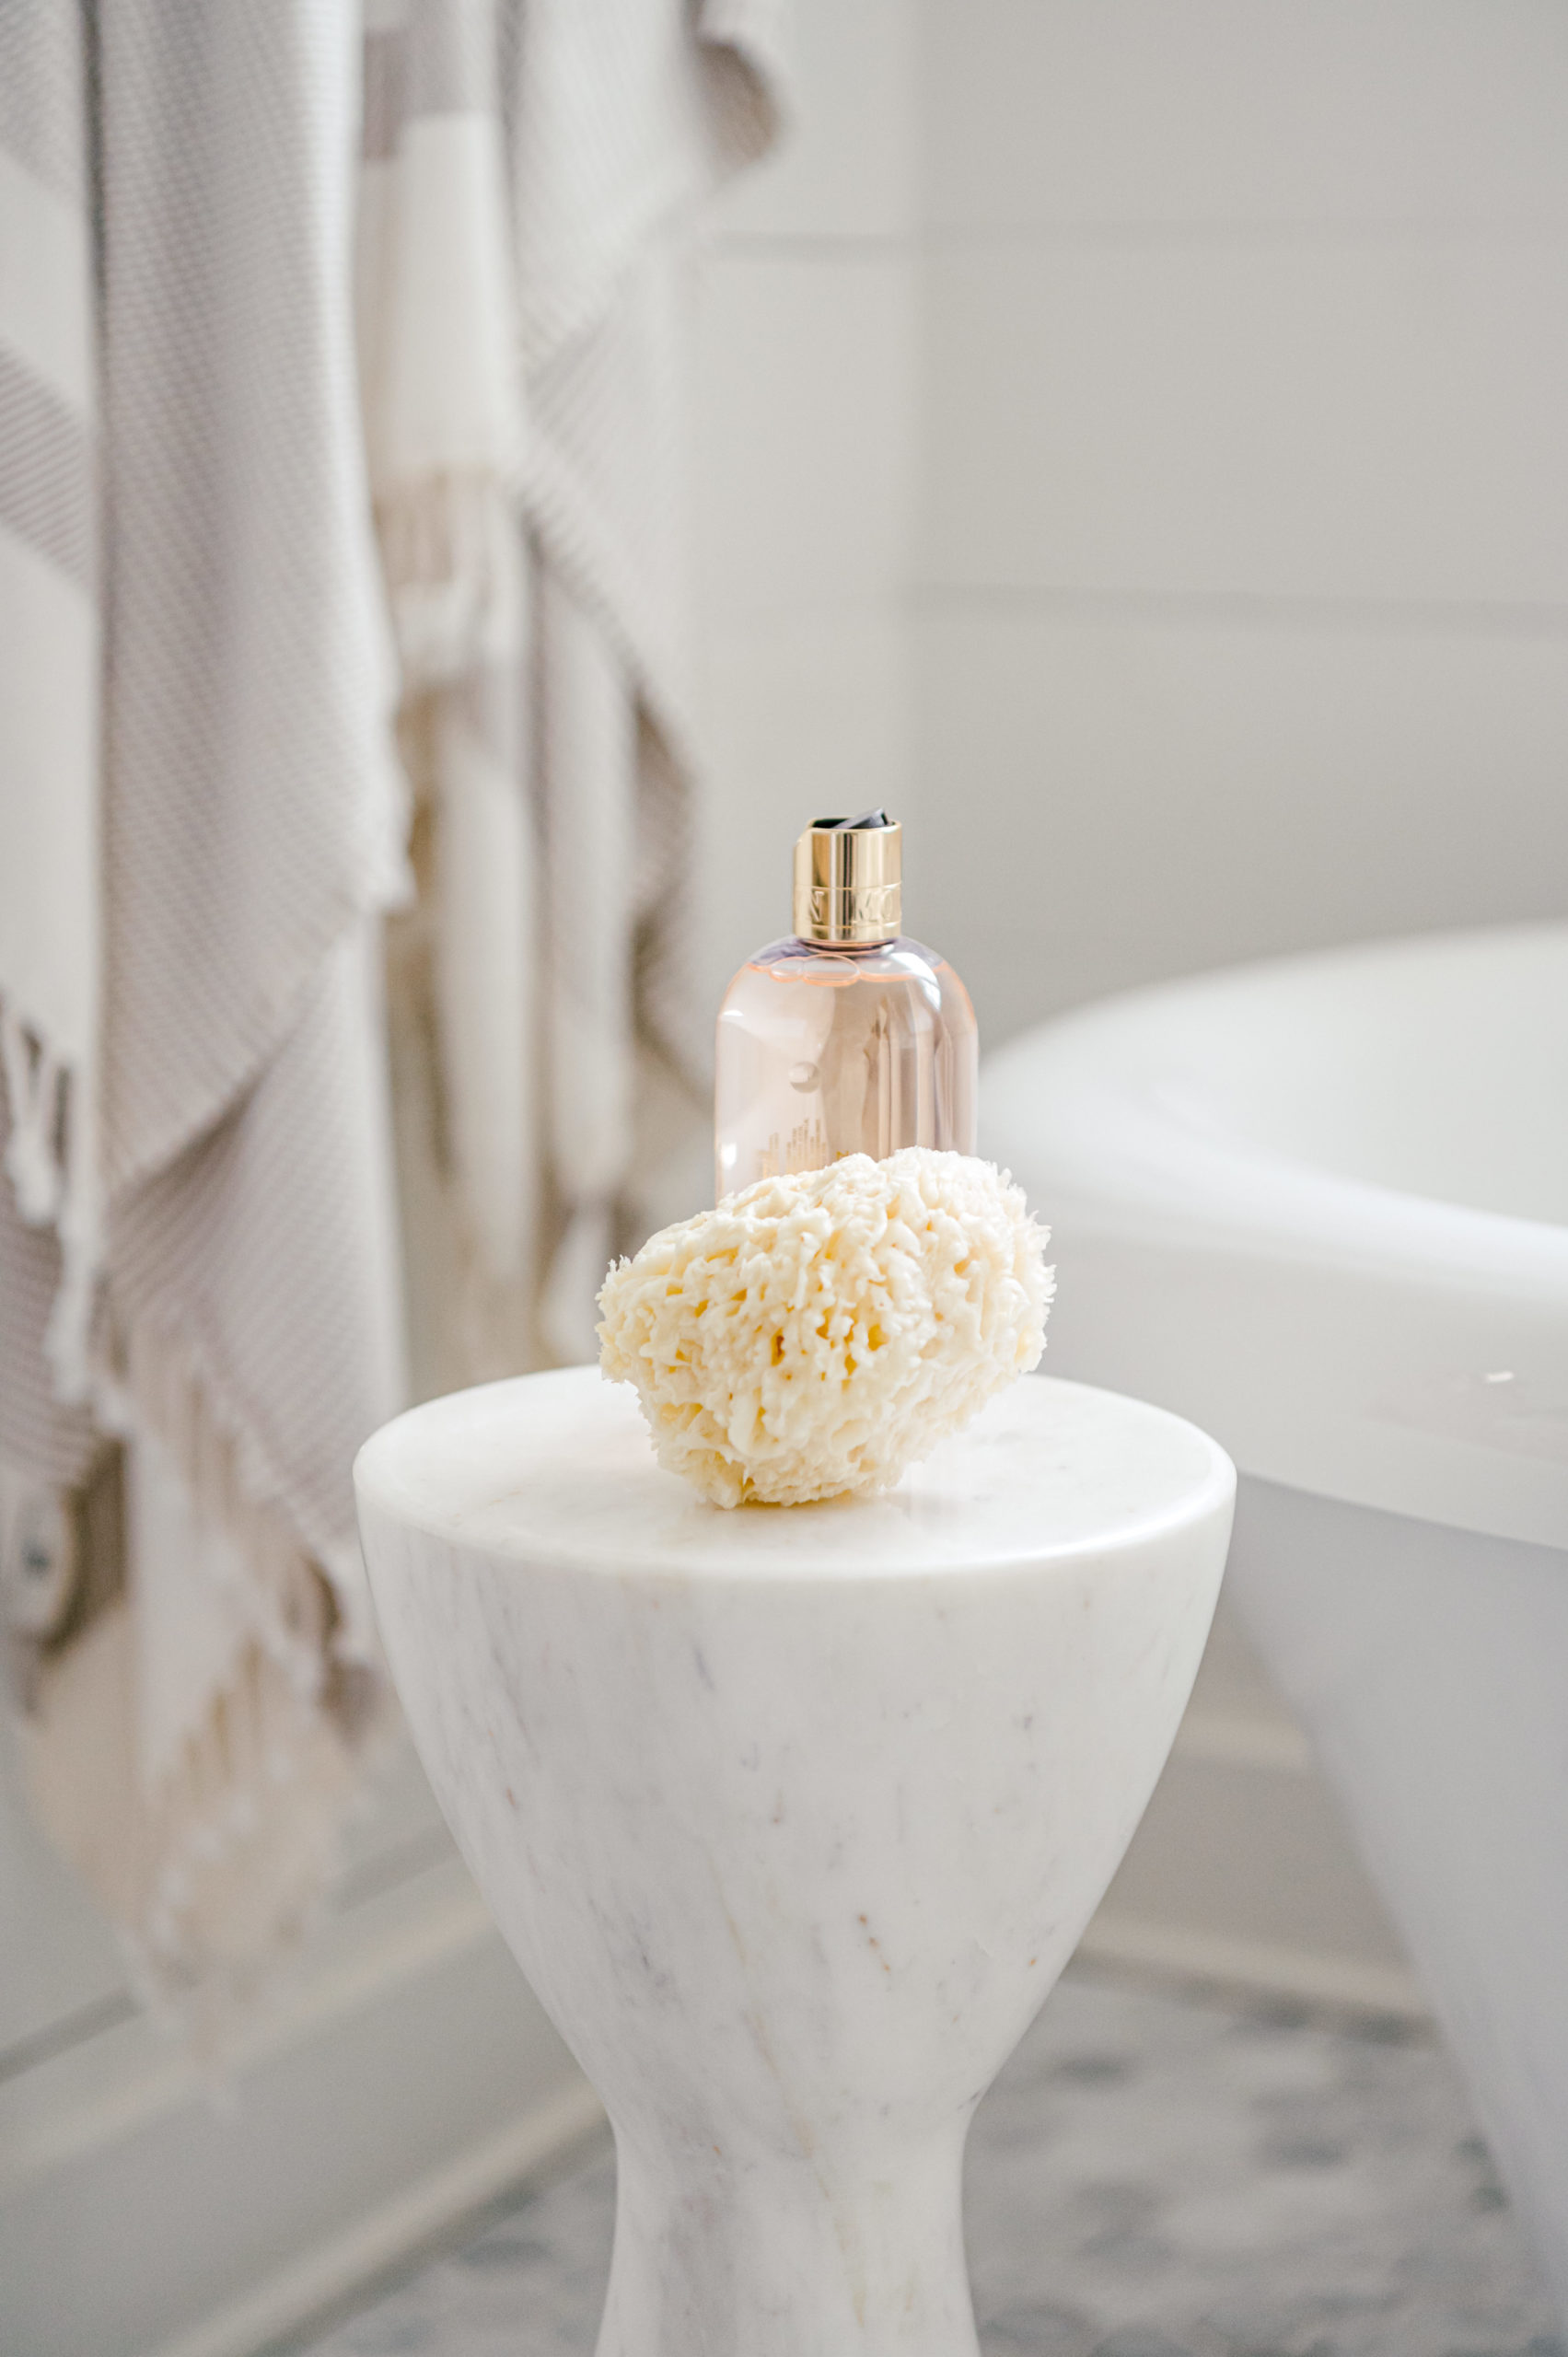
542, 164
50, 849
197, 1271
442, 390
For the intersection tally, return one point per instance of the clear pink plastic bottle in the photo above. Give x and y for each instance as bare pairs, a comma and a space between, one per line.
829, 1046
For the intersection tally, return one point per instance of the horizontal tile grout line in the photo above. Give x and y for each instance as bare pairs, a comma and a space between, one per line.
923, 240
760, 245
71, 2029
1268, 236
1261, 609
384, 1870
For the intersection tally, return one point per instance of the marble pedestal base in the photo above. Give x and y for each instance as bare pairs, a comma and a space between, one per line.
792, 1815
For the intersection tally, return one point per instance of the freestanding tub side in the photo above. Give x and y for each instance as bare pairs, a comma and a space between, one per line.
1321, 1207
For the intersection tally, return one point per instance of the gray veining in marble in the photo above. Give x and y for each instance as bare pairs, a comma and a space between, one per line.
791, 1818
1153, 2176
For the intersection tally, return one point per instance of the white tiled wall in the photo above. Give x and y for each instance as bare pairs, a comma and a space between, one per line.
805, 429
1226, 416
1160, 787
805, 480
1137, 430
1246, 116
1240, 603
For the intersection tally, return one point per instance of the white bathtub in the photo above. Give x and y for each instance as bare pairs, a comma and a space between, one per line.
1321, 1207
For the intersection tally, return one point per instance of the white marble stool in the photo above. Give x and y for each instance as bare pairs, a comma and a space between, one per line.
792, 1814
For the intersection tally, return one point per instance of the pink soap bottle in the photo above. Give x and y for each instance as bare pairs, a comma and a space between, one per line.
846, 1037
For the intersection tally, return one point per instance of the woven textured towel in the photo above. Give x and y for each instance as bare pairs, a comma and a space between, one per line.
190, 959
50, 848
441, 375
540, 163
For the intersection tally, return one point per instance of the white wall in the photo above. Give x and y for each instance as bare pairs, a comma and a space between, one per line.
1131, 443
1240, 603
805, 487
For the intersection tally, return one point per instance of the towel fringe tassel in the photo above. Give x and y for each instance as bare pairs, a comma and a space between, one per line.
228, 1880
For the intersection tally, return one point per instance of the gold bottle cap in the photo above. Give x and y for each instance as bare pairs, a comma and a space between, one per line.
848, 885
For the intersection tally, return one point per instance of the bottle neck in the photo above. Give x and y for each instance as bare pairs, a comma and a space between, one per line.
845, 948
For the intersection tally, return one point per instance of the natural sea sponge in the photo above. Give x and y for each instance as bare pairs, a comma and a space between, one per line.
821, 1330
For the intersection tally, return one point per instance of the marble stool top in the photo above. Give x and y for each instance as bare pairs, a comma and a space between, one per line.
559, 1467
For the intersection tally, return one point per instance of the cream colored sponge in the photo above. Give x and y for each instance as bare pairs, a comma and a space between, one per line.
818, 1332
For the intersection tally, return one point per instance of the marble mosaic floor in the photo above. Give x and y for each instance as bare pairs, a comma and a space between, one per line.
1154, 2176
